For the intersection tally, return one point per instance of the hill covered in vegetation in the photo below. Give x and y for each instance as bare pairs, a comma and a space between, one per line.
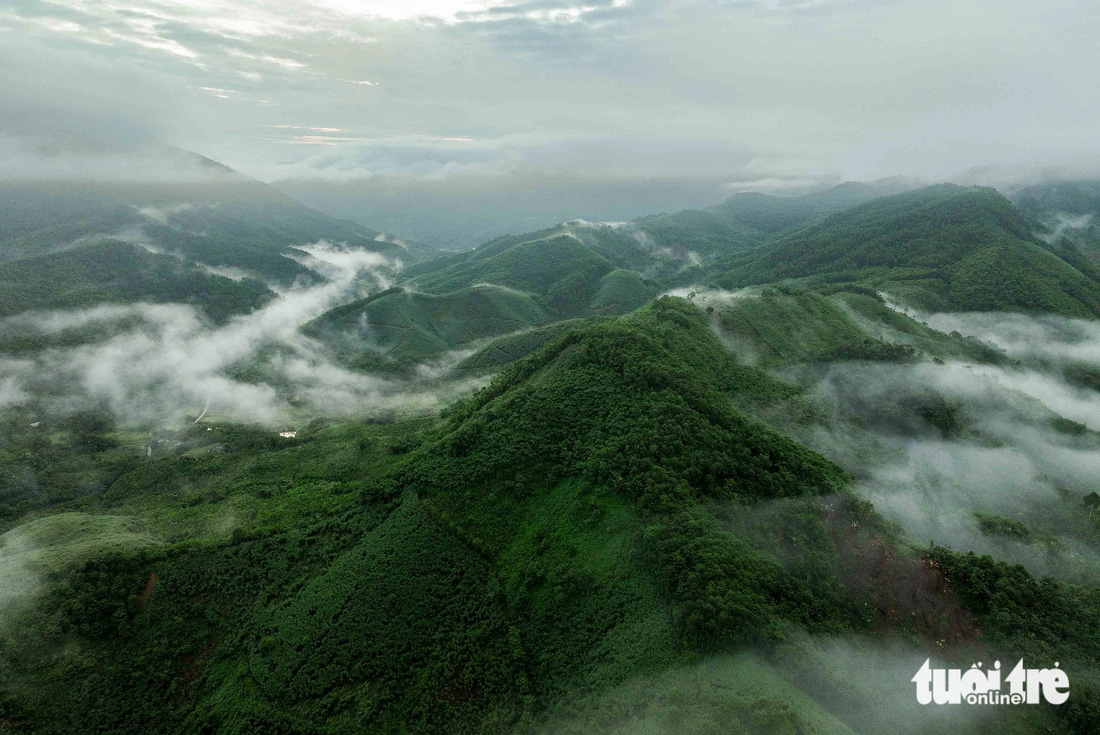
112, 272
78, 242
1068, 213
943, 248
608, 536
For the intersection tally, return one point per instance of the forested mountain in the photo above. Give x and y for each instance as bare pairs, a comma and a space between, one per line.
612, 507
943, 248
583, 268
519, 490
1068, 212
224, 220
216, 239
112, 272
675, 248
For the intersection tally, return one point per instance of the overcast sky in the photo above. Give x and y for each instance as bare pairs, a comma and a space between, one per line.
751, 92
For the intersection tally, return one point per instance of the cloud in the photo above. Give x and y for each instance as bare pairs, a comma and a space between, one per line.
844, 88
11, 392
1004, 452
164, 363
436, 101
65, 102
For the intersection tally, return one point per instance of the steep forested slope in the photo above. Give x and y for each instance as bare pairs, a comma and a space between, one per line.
112, 272
943, 248
604, 538
217, 217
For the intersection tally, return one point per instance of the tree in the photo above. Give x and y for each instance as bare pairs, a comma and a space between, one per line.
1092, 502
90, 428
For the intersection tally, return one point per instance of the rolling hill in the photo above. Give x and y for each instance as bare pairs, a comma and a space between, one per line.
111, 272
407, 327
606, 538
216, 217
941, 248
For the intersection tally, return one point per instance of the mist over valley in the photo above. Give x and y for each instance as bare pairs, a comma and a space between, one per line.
541, 368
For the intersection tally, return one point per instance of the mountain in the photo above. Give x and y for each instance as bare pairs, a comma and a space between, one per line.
220, 227
1068, 213
940, 248
583, 267
493, 574
458, 213
112, 272
606, 538
228, 221
785, 326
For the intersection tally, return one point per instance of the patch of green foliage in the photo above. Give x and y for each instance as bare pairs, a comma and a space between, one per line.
1041, 620
995, 525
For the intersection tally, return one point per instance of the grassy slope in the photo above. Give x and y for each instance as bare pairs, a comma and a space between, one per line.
945, 248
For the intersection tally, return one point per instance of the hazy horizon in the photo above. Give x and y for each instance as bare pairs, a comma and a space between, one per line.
760, 94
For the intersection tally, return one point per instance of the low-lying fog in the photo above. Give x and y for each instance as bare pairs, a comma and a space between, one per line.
940, 448
162, 363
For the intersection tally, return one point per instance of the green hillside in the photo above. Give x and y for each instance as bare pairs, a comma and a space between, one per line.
621, 291
603, 539
493, 575
1068, 213
407, 326
941, 248
112, 272
512, 347
559, 267
749, 219
784, 326
224, 220
674, 249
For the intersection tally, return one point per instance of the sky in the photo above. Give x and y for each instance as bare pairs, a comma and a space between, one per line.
744, 94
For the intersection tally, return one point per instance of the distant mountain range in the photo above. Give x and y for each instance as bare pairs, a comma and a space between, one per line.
220, 241
682, 481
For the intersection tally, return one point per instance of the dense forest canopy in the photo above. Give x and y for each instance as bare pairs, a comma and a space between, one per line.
524, 489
